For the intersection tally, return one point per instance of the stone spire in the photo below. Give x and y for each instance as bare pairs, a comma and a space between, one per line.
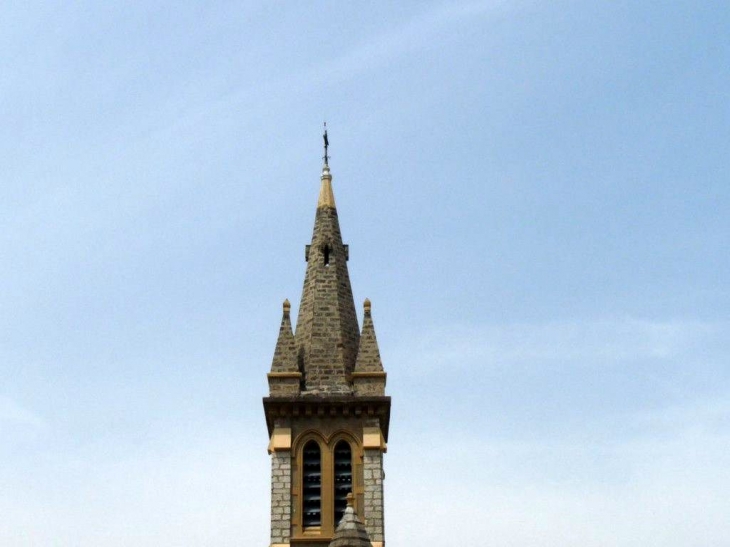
284, 376
350, 531
326, 413
327, 333
368, 377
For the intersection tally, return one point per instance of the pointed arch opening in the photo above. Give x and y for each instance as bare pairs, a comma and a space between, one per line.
342, 478
312, 485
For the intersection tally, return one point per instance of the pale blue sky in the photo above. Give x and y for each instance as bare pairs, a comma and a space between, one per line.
535, 195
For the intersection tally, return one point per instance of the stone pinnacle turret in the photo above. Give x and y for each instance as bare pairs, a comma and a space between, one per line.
368, 378
285, 377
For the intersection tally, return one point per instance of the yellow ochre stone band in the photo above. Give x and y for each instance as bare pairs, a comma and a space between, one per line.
326, 196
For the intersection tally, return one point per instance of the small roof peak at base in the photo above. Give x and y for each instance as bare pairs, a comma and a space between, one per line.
351, 531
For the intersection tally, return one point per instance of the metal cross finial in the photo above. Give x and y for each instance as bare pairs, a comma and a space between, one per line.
326, 145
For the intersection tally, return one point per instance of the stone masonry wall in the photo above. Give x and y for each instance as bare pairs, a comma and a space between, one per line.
280, 497
373, 482
327, 332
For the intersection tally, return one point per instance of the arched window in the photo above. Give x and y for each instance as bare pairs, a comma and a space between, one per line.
312, 485
342, 478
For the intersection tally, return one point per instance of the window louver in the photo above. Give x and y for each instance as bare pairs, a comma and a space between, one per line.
343, 478
312, 478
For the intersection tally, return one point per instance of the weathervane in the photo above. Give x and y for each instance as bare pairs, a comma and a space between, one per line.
326, 145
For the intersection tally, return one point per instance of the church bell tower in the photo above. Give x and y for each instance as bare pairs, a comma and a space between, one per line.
327, 413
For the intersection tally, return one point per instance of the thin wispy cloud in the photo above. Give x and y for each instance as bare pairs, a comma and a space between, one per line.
556, 345
13, 414
203, 490
665, 489
587, 344
430, 26
376, 52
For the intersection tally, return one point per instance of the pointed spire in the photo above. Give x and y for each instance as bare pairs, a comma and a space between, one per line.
327, 333
285, 375
368, 376
350, 531
368, 355
285, 354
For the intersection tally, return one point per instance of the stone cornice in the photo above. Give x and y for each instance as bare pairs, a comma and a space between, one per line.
375, 374
284, 375
329, 405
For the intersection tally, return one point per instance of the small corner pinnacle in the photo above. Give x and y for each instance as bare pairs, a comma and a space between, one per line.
350, 499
